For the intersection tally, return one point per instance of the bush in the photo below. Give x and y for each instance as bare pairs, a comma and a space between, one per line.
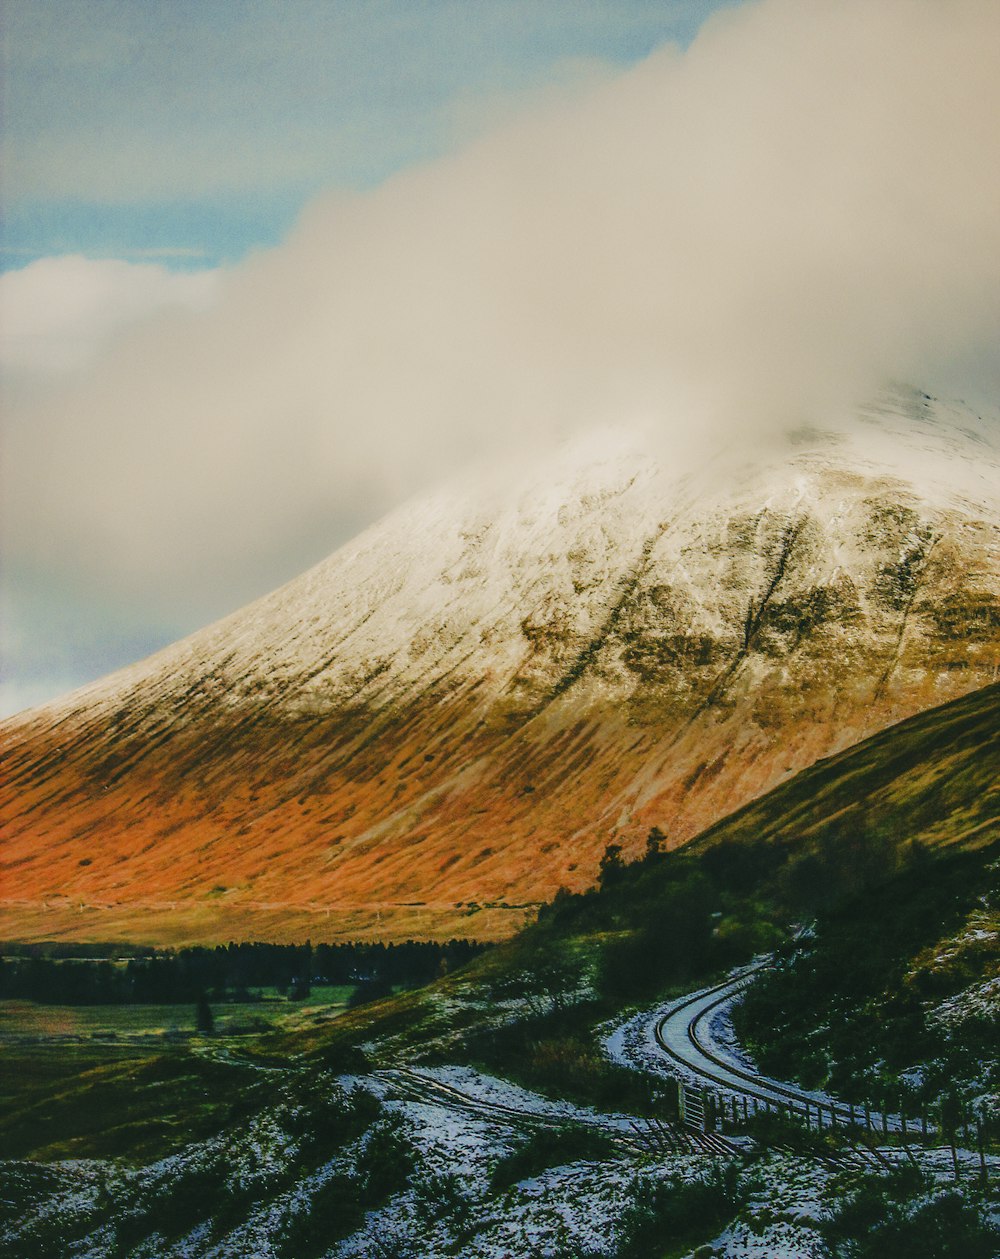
671, 944
335, 1210
556, 1053
338, 1206
238, 1199
669, 1214
551, 1147
331, 1119
369, 990
772, 1128
901, 1216
174, 1207
386, 1161
443, 1196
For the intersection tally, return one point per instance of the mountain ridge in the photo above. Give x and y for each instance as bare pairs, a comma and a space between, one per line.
457, 710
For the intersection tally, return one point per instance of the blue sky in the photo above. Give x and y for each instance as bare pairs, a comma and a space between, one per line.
192, 131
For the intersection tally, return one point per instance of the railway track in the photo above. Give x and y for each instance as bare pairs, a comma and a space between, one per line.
692, 1015
640, 1135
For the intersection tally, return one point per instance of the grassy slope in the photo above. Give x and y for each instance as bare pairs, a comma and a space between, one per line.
933, 778
69, 1101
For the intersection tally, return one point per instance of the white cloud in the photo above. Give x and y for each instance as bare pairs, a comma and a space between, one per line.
805, 202
56, 313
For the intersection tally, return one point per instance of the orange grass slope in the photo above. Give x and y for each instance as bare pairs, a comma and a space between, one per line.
432, 730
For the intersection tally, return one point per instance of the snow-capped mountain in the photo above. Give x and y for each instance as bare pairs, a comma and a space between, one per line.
464, 705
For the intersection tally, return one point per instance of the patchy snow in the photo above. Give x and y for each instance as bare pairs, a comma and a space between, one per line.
491, 1091
634, 1043
450, 1207
455, 1141
979, 1001
574, 1206
779, 1221
692, 1039
718, 1035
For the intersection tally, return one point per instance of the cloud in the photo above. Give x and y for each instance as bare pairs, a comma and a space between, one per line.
765, 226
57, 313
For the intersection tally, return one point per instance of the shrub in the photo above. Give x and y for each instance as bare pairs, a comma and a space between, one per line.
335, 1210
551, 1147
901, 1216
331, 1119
668, 1213
172, 1208
386, 1160
443, 1196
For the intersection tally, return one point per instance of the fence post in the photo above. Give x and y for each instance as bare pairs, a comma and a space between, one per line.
868, 1117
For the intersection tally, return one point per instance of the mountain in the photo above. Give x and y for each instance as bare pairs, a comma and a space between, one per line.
451, 716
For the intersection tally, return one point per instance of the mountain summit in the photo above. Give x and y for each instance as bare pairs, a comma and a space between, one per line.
452, 716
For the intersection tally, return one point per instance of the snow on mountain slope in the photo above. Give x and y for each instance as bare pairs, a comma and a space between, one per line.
463, 706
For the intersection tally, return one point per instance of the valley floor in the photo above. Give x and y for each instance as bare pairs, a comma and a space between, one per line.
429, 1163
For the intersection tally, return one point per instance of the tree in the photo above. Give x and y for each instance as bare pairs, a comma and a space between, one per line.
656, 845
951, 1117
203, 1019
611, 867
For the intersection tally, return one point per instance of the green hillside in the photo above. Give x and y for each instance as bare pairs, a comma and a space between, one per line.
934, 778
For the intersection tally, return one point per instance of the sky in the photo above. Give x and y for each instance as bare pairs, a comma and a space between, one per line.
271, 266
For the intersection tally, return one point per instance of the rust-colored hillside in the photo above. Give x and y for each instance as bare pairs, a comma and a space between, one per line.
438, 726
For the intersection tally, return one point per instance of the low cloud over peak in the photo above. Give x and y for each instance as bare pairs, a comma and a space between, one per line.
755, 231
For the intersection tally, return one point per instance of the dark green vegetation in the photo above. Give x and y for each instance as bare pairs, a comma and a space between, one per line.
219, 1184
854, 1007
678, 1215
669, 921
73, 975
905, 1216
337, 1206
551, 1147
71, 1102
889, 849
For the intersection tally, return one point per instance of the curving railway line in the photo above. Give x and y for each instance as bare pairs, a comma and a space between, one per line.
681, 1033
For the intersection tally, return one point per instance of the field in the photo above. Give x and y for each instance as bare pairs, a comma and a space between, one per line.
23, 1021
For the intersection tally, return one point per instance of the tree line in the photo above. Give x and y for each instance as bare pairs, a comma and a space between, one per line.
226, 972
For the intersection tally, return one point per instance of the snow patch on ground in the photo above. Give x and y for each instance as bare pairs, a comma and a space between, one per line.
492, 1091
979, 1001
779, 1221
